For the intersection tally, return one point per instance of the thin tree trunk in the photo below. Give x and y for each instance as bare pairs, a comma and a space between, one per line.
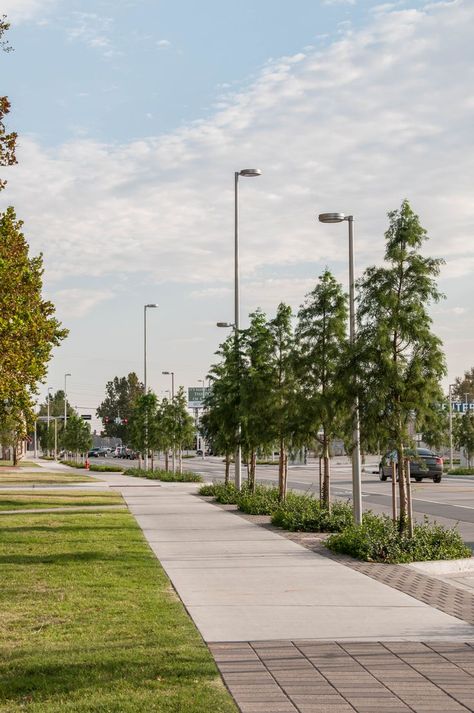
254, 470
326, 473
227, 468
180, 459
282, 471
166, 460
402, 488
152, 461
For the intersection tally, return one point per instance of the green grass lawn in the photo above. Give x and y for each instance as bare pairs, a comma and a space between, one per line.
90, 623
27, 499
21, 464
41, 478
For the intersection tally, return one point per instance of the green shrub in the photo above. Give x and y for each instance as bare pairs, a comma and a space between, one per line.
263, 501
208, 490
165, 476
378, 539
460, 471
306, 514
93, 467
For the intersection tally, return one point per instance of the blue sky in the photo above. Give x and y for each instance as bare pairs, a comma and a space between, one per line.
133, 116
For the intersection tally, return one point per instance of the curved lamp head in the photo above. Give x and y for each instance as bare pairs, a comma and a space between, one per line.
250, 172
151, 305
331, 217
67, 375
224, 324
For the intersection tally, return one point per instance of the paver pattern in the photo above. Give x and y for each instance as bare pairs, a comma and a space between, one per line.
337, 677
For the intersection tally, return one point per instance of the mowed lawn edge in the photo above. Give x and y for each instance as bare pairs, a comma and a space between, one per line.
39, 499
90, 622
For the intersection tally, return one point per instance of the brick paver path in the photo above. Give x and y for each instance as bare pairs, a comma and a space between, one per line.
330, 677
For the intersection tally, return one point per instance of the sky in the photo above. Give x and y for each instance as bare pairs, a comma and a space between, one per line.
133, 116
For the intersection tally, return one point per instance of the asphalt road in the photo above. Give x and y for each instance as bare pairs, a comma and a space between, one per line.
450, 502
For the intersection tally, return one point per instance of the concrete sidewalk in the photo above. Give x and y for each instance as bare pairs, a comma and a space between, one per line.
241, 582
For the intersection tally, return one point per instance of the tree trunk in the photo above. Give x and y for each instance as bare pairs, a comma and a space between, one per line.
14, 455
227, 468
402, 488
152, 461
282, 471
326, 473
180, 460
254, 470
166, 461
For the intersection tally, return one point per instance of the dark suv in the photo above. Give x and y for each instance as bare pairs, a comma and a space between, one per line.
423, 464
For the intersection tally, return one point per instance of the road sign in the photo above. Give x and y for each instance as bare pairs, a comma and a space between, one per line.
196, 396
86, 416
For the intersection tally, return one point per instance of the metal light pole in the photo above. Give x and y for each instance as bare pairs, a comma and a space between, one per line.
145, 307
173, 453
451, 426
65, 400
50, 388
248, 173
356, 467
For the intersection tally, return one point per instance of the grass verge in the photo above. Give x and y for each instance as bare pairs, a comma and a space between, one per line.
90, 623
166, 476
21, 464
26, 499
41, 478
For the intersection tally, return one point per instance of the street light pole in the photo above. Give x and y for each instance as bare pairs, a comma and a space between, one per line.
145, 307
50, 388
450, 427
173, 452
248, 173
356, 466
65, 400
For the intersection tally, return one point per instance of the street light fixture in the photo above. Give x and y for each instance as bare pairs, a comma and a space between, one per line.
173, 454
247, 173
225, 325
356, 467
145, 307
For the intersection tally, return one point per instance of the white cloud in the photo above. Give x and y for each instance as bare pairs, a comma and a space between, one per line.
374, 117
23, 10
94, 31
163, 44
78, 302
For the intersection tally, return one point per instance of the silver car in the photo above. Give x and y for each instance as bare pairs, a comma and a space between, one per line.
423, 464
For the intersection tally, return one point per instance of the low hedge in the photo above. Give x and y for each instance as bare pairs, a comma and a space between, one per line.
460, 471
298, 512
304, 513
378, 539
93, 467
164, 475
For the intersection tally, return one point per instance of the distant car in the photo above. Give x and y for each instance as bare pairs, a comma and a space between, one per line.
93, 453
423, 464
199, 452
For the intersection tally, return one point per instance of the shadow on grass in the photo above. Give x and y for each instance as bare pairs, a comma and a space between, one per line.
139, 663
67, 528
68, 557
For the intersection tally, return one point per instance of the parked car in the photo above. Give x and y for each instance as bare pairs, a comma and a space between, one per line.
423, 464
93, 453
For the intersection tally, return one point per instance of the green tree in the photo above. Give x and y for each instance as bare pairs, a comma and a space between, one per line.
182, 425
28, 328
463, 434
400, 360
56, 409
7, 140
121, 395
463, 389
76, 437
144, 423
256, 352
219, 423
282, 413
321, 343
436, 431
13, 429
165, 429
